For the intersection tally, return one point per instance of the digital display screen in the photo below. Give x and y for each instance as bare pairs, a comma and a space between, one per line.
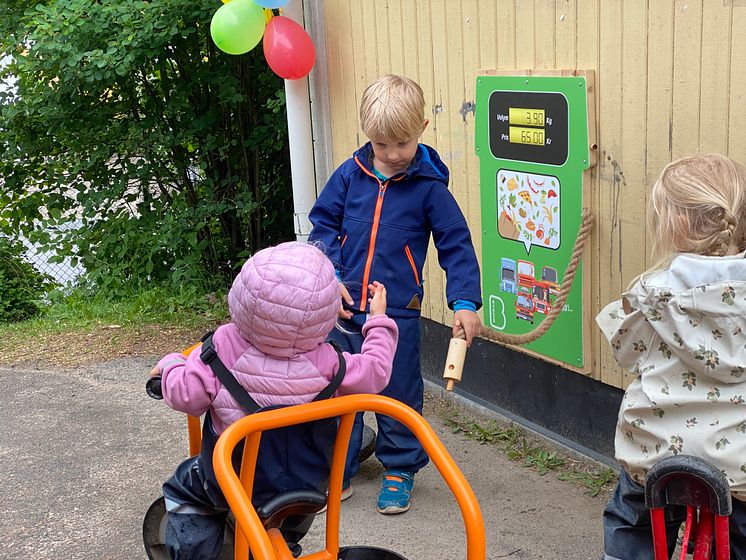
521, 135
529, 126
526, 117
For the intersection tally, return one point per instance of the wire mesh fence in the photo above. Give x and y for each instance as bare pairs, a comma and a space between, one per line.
63, 273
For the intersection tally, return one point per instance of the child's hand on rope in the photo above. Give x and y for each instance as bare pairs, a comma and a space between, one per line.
378, 299
466, 323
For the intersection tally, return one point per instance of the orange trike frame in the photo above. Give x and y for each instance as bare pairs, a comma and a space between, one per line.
269, 544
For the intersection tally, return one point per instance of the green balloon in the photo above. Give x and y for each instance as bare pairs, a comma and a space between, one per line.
238, 26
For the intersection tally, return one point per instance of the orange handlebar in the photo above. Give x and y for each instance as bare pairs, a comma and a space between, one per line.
235, 490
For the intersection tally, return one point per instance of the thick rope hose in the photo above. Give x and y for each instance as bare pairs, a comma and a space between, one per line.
586, 225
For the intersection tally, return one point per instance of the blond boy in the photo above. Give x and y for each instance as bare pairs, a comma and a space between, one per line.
374, 219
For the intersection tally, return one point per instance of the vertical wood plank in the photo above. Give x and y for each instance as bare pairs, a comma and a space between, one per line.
398, 46
544, 37
471, 64
566, 32
487, 33
587, 57
506, 34
737, 93
427, 70
658, 139
609, 82
410, 31
715, 77
525, 34
687, 64
631, 205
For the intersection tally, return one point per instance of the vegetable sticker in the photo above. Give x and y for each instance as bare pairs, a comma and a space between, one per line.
528, 207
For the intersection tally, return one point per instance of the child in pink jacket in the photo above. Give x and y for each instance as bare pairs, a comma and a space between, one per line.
282, 304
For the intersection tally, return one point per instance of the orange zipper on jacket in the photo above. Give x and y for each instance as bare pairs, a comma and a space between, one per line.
411, 263
373, 230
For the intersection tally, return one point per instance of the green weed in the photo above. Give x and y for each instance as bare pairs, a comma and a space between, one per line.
513, 442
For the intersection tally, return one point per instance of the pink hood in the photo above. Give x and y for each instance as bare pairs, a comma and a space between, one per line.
286, 299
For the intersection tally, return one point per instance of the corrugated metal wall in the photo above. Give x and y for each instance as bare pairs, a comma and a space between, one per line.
670, 81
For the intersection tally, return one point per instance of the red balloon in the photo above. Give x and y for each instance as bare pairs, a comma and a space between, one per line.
288, 48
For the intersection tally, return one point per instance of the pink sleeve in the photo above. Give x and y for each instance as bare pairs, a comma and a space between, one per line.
188, 384
370, 370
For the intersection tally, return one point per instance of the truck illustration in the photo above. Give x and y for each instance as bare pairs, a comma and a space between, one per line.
524, 307
541, 299
507, 275
549, 277
526, 278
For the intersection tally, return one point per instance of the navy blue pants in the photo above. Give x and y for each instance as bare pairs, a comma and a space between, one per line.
396, 446
197, 514
628, 533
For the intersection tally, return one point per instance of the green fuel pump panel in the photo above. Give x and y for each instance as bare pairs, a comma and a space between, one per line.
534, 149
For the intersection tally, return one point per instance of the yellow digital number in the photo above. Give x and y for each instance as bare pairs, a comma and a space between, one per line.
531, 136
526, 117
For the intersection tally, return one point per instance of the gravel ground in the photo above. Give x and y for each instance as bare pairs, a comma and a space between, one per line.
84, 453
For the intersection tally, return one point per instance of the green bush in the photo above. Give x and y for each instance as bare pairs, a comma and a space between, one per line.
21, 286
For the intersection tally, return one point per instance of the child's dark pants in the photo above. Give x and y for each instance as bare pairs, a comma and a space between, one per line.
197, 513
627, 530
396, 446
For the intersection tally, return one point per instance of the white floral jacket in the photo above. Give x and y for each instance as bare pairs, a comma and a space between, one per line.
685, 338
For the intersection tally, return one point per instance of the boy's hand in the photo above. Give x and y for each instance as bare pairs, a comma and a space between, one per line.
155, 372
469, 322
378, 299
345, 313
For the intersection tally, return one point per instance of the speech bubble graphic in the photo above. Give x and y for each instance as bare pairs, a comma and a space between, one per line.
528, 208
497, 306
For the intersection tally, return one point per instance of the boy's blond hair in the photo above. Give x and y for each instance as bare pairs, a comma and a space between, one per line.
392, 109
698, 205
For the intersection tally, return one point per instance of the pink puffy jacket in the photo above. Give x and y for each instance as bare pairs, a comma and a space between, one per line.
283, 304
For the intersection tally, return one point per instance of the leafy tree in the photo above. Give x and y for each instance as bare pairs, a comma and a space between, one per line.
21, 285
169, 155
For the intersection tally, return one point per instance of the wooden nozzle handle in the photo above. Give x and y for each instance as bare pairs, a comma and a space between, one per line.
454, 367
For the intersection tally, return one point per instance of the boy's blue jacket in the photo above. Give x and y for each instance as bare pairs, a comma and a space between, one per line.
380, 230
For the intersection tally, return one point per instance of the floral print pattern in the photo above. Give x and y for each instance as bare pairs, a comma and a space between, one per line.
688, 350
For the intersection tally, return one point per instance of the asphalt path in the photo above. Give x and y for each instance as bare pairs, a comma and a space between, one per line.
83, 453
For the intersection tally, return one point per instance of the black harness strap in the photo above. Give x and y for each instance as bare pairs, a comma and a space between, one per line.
210, 357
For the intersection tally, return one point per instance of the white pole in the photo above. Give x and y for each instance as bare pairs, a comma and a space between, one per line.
300, 140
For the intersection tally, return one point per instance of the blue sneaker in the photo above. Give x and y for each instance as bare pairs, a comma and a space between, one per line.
396, 490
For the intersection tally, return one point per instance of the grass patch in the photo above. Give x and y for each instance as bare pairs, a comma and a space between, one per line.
515, 443
82, 327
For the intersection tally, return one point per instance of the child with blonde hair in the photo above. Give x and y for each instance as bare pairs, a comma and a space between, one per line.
681, 328
375, 218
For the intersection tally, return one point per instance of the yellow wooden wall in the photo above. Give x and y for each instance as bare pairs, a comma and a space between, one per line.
670, 81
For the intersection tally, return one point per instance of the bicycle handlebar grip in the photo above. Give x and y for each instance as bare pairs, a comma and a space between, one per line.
153, 388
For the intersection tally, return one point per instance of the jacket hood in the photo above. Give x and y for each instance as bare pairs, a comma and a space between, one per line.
692, 304
286, 299
426, 163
